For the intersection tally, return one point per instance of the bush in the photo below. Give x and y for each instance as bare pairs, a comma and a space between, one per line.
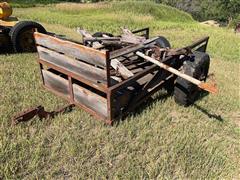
234, 22
221, 10
201, 10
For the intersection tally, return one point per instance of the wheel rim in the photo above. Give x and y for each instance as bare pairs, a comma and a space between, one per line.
26, 41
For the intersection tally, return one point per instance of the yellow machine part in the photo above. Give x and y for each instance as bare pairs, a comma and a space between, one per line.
5, 13
5, 10
9, 22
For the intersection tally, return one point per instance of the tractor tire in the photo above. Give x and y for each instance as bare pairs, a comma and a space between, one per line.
100, 34
162, 42
186, 93
22, 36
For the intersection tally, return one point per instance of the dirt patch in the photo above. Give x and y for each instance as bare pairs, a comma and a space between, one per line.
79, 6
211, 23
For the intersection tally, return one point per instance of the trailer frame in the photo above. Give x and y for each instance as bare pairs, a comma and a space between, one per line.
84, 77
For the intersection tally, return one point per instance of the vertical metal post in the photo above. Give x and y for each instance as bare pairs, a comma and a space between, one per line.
71, 89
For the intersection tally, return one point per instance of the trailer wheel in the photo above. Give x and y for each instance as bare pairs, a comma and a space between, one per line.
186, 93
162, 42
101, 34
22, 36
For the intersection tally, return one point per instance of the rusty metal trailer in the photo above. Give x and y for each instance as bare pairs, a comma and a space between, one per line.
107, 83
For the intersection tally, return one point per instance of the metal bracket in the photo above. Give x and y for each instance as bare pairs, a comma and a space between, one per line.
40, 112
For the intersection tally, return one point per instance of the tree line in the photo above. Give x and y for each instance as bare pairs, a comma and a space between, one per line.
220, 10
226, 11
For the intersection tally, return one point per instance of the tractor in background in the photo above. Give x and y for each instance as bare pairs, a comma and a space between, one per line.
16, 35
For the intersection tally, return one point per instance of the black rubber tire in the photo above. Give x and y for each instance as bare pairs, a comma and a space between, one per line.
163, 42
186, 93
100, 34
19, 29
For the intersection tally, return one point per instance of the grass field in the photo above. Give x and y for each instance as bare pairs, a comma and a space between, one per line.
160, 141
31, 3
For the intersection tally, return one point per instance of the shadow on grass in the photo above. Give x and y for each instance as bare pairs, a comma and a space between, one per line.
6, 50
139, 110
163, 98
206, 112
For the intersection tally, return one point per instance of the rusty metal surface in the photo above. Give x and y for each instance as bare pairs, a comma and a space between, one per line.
40, 112
125, 90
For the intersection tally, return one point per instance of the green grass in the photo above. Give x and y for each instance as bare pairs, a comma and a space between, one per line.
161, 140
178, 26
31, 3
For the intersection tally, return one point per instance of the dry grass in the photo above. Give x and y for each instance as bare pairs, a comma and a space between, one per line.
160, 141
78, 7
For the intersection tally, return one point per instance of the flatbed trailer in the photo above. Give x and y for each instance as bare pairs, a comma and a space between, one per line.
108, 82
